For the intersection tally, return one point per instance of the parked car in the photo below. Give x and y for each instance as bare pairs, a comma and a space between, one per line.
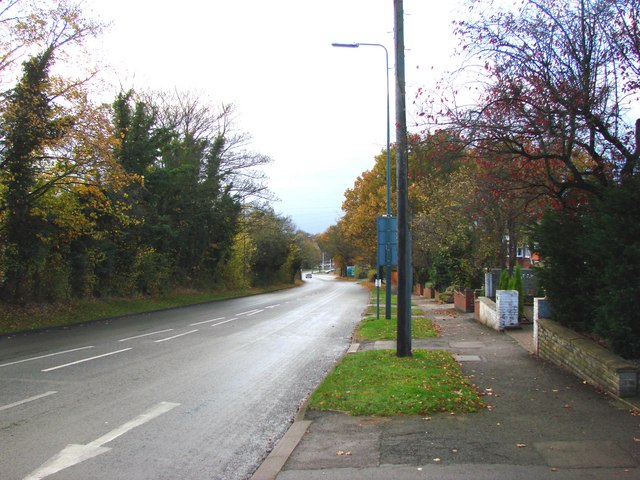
308, 275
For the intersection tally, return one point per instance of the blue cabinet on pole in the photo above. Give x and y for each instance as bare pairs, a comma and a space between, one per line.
387, 241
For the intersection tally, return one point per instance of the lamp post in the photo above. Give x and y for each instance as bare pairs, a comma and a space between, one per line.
388, 213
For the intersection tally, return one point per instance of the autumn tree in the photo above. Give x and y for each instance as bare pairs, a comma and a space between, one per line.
362, 205
335, 244
42, 150
548, 110
554, 91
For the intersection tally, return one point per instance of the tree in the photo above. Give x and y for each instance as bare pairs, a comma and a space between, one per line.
555, 92
191, 116
28, 127
335, 244
46, 133
277, 257
309, 250
551, 116
362, 205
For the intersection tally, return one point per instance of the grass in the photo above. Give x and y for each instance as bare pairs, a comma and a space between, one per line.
372, 328
377, 382
14, 319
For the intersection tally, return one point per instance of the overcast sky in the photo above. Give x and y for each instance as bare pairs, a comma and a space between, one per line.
319, 112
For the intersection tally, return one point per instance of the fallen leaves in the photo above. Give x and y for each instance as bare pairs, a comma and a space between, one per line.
342, 453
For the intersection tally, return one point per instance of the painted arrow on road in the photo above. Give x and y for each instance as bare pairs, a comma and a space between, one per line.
74, 454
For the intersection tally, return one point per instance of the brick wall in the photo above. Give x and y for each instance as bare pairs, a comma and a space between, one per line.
463, 300
585, 359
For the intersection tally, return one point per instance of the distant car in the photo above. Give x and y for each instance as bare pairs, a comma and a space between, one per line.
308, 275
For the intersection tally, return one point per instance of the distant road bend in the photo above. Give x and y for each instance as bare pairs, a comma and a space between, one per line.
202, 392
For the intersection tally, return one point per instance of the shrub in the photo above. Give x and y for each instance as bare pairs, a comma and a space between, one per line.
515, 283
503, 281
591, 267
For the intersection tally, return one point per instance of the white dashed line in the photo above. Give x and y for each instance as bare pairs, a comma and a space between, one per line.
226, 321
85, 360
26, 400
175, 336
146, 334
206, 321
45, 356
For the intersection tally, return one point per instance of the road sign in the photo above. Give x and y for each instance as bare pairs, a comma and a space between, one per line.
387, 241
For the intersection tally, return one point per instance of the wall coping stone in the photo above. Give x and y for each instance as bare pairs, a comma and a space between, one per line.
608, 359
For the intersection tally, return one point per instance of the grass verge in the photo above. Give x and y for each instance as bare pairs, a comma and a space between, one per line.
14, 319
372, 328
377, 382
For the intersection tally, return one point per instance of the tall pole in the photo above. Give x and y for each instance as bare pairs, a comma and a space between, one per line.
404, 242
387, 267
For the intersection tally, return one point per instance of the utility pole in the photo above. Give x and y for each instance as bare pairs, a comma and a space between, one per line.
405, 270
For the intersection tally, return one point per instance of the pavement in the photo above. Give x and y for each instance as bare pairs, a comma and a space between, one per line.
540, 423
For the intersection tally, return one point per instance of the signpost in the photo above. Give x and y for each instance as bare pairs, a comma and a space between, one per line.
387, 253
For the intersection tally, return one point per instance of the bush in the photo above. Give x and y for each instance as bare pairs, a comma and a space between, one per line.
591, 267
503, 281
515, 283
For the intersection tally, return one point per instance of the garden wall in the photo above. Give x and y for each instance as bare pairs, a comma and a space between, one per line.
501, 314
463, 301
584, 358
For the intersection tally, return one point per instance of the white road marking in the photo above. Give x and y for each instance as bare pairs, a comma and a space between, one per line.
176, 336
246, 313
146, 335
206, 321
273, 306
85, 360
26, 400
74, 454
253, 313
226, 321
45, 356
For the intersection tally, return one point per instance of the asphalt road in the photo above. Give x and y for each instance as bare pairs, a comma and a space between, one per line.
194, 393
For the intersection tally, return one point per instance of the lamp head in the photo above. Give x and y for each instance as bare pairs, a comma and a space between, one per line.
346, 45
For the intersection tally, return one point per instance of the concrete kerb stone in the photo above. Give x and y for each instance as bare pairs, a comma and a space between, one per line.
271, 466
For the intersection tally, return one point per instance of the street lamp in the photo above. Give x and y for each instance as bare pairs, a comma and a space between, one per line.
386, 56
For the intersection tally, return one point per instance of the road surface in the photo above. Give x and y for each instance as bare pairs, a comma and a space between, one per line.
201, 392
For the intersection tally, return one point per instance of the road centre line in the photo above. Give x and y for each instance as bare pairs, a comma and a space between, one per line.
253, 313
226, 321
206, 321
246, 313
176, 336
84, 360
45, 356
146, 335
273, 306
26, 400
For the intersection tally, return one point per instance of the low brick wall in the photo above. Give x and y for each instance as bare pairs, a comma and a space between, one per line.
429, 292
585, 359
463, 301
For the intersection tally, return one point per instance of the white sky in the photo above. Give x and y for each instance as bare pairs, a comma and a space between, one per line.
319, 112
